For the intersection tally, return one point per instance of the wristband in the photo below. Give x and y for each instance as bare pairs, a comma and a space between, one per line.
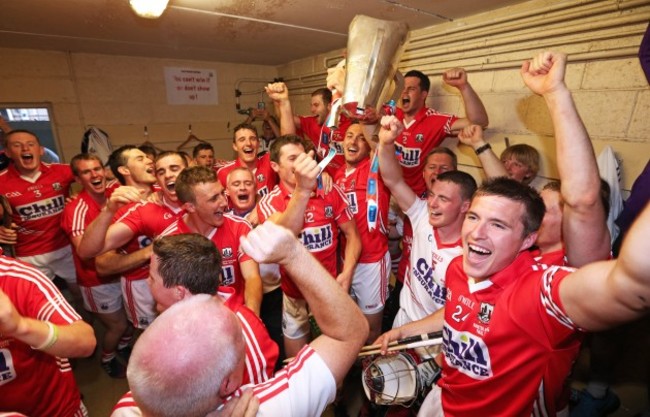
52, 337
482, 149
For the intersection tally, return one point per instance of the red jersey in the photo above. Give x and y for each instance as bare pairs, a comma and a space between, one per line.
313, 131
37, 207
33, 382
111, 186
354, 184
265, 177
427, 130
134, 245
77, 215
226, 239
557, 258
261, 351
320, 228
150, 219
508, 344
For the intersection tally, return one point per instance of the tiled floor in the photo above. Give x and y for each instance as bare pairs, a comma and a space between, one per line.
101, 392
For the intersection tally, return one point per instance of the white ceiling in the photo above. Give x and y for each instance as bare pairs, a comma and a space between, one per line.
266, 32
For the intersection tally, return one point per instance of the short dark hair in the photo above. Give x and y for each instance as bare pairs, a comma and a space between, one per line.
466, 182
425, 84
190, 260
117, 159
15, 131
325, 93
277, 145
189, 178
446, 151
534, 208
203, 146
83, 157
165, 154
149, 150
241, 126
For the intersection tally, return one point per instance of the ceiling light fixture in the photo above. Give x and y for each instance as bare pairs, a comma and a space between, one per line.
149, 9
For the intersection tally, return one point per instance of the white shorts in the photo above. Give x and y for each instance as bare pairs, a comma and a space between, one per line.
370, 285
58, 262
139, 303
295, 317
270, 274
102, 299
432, 404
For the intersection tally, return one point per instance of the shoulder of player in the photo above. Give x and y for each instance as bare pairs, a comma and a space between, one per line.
336, 194
18, 273
227, 167
57, 168
129, 210
77, 203
431, 112
271, 196
265, 205
239, 221
172, 229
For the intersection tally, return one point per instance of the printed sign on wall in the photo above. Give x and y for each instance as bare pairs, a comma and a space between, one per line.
191, 86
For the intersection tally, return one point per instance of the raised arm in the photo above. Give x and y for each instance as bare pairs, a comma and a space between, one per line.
306, 171
344, 328
279, 93
391, 171
475, 112
584, 224
472, 136
604, 294
100, 236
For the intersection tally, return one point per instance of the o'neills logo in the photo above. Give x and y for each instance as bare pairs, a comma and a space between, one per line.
316, 239
43, 208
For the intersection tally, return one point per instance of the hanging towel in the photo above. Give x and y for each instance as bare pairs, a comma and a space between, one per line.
610, 171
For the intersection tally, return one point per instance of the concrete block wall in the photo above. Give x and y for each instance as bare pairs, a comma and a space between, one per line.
123, 94
601, 38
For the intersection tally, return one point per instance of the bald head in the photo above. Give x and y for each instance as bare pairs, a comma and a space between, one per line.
178, 366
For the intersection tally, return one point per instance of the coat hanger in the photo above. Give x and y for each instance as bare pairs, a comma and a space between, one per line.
190, 138
147, 142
